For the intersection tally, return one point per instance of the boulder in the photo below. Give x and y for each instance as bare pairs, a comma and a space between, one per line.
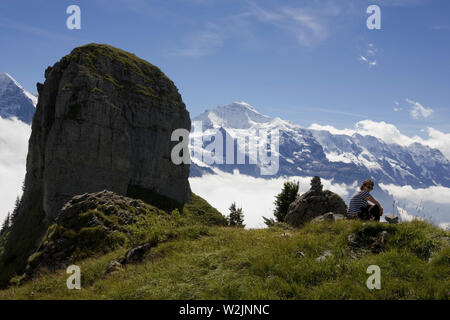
89, 224
314, 203
391, 219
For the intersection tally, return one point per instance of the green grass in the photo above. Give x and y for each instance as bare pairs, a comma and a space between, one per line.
214, 262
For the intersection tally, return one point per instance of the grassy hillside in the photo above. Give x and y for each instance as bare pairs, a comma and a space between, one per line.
216, 262
99, 223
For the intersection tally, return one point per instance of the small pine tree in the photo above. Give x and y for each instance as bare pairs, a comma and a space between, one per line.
13, 216
6, 224
269, 221
282, 201
236, 217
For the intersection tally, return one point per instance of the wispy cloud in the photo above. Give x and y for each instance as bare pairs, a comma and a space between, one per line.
332, 111
397, 107
201, 44
309, 25
418, 111
400, 3
369, 55
35, 31
440, 27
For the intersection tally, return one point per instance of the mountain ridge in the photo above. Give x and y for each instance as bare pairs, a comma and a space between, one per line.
344, 158
15, 101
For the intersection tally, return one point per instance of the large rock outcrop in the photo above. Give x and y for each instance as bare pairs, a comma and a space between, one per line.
104, 120
314, 203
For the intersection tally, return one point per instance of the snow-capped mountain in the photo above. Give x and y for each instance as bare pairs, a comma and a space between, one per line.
305, 152
15, 101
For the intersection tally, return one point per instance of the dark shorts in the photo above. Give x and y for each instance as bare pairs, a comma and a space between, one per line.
370, 213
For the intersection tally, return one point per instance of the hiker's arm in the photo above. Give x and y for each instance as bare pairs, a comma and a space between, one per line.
374, 201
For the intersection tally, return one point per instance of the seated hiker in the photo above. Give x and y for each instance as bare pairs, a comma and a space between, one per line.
359, 206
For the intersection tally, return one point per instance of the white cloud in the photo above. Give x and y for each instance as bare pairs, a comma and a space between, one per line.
432, 203
419, 111
436, 194
254, 195
405, 216
439, 140
331, 129
14, 136
445, 226
389, 133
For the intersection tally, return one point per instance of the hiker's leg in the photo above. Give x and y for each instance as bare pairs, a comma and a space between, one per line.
374, 211
364, 213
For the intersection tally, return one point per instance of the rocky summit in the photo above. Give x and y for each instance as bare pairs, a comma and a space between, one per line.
103, 121
315, 203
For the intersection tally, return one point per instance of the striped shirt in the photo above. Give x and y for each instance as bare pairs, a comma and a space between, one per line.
358, 200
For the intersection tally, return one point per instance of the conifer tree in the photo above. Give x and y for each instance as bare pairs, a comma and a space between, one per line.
6, 224
236, 216
282, 201
13, 216
269, 221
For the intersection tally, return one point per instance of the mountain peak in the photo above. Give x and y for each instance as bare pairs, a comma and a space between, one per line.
15, 101
237, 115
7, 78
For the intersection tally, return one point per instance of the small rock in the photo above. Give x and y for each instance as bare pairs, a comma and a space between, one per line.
285, 235
136, 254
324, 256
352, 239
325, 217
391, 218
113, 266
379, 244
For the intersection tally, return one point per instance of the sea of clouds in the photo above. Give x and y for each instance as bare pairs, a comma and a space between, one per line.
14, 135
255, 195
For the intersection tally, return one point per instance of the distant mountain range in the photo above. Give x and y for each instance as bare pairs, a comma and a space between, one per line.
15, 101
302, 152
305, 152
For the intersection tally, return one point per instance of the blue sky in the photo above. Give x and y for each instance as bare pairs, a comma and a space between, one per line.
306, 61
